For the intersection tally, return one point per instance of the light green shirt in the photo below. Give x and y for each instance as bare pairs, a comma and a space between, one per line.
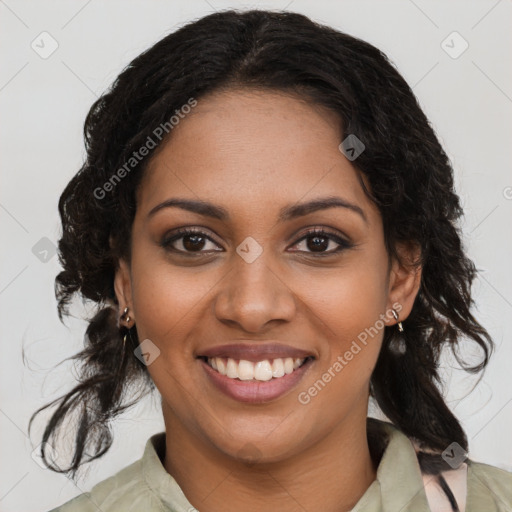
145, 485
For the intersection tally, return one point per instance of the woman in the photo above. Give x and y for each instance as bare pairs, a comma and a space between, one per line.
267, 223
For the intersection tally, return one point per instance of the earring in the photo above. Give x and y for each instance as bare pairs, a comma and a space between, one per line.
397, 344
395, 314
125, 316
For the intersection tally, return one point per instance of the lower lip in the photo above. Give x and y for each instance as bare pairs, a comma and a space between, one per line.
254, 391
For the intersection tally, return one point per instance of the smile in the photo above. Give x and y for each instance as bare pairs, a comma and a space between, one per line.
264, 370
255, 382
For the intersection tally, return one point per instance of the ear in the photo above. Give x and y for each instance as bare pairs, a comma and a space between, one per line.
123, 287
404, 281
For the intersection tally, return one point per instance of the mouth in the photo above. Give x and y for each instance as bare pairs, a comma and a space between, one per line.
261, 371
253, 373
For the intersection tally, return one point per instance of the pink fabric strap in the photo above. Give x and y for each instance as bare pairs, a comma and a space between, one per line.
456, 480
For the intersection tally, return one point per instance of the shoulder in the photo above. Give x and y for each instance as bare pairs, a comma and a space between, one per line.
128, 490
489, 487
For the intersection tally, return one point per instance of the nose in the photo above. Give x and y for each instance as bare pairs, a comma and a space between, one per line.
253, 295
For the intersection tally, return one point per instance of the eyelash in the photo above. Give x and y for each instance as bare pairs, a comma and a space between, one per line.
182, 232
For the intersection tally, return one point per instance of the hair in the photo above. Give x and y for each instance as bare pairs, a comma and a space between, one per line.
410, 180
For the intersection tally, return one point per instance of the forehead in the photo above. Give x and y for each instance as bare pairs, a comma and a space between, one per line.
263, 148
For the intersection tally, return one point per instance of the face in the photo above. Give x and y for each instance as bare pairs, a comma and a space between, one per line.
261, 278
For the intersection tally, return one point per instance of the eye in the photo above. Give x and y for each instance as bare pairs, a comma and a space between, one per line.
317, 241
193, 240
189, 240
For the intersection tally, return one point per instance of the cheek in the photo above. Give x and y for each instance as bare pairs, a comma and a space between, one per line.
168, 303
167, 298
350, 300
349, 309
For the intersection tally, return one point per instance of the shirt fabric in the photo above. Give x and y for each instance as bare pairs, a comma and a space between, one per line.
146, 486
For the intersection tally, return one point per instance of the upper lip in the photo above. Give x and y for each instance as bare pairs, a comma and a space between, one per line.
255, 351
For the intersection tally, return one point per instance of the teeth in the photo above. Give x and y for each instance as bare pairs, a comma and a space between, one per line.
221, 365
262, 370
277, 368
245, 369
232, 369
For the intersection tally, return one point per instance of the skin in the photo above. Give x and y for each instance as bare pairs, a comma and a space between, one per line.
253, 153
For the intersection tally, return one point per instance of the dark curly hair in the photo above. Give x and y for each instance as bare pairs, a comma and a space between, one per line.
410, 180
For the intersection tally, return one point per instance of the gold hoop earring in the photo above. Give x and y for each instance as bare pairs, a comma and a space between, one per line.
125, 316
397, 343
395, 314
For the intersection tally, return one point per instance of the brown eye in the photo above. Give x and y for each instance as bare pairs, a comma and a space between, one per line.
193, 242
318, 241
188, 240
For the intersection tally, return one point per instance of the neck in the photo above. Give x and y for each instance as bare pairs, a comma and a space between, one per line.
330, 475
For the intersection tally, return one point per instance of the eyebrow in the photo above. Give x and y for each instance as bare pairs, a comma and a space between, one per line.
285, 214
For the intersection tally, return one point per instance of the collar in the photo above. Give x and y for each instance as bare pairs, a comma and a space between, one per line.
156, 477
399, 483
398, 486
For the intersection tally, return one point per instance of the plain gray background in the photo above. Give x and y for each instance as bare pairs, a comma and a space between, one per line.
44, 101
